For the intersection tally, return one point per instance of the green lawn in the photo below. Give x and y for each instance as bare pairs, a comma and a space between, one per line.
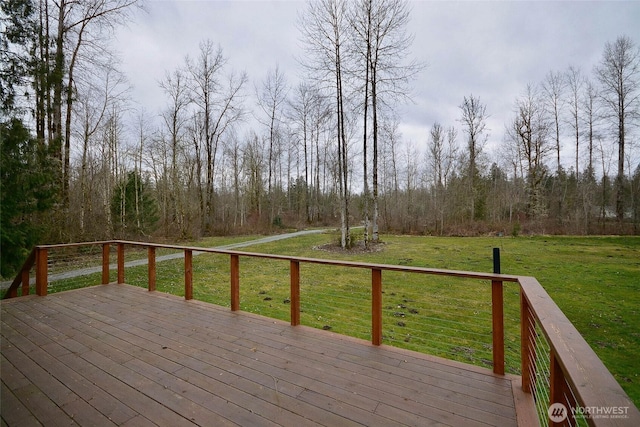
594, 280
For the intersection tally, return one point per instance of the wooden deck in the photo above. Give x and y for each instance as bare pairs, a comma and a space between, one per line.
120, 355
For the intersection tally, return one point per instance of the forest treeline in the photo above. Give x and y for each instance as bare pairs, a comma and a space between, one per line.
325, 151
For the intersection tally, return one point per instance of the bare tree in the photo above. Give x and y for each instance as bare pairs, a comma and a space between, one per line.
552, 92
321, 122
324, 32
530, 132
436, 151
391, 150
69, 27
234, 149
474, 124
175, 120
511, 158
308, 112
204, 84
91, 108
113, 164
218, 100
590, 117
442, 152
381, 39
411, 162
553, 89
271, 100
253, 161
575, 82
619, 76
300, 108
361, 20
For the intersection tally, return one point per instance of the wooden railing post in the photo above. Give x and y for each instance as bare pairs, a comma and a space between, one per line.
556, 382
188, 274
25, 281
120, 263
22, 278
151, 261
11, 293
376, 306
497, 315
235, 282
525, 342
41, 271
105, 263
295, 293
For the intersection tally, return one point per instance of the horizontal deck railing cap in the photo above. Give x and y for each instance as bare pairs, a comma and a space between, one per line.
355, 264
584, 371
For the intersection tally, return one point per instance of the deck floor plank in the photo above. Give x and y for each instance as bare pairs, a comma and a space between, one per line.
20, 414
93, 398
119, 355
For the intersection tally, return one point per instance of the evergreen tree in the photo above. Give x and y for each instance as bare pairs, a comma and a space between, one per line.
27, 190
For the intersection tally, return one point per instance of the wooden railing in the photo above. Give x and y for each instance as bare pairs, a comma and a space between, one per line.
22, 278
578, 379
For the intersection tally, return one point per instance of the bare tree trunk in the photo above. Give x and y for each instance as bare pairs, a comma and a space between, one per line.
619, 75
43, 77
575, 81
388, 46
362, 26
342, 157
270, 100
530, 132
324, 32
76, 20
474, 119
57, 80
317, 183
375, 235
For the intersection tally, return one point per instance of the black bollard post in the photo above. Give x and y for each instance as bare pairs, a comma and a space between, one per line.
496, 260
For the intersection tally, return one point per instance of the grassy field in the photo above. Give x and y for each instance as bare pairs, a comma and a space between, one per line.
594, 280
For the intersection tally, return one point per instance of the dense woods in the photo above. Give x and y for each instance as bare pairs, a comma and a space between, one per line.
233, 153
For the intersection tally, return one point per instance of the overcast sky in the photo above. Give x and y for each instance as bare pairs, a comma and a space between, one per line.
489, 49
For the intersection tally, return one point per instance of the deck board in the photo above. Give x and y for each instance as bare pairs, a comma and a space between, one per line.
119, 355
